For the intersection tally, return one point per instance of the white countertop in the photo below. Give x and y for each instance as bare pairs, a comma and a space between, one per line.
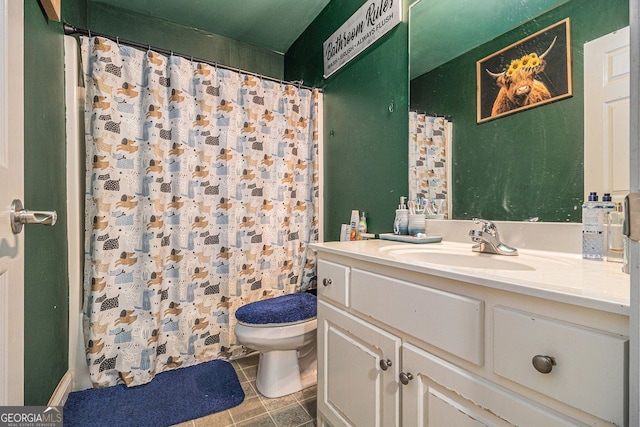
556, 276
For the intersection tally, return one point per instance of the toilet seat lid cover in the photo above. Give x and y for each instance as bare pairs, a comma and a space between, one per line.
283, 309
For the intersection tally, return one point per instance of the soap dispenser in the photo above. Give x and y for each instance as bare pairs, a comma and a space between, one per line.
401, 223
362, 226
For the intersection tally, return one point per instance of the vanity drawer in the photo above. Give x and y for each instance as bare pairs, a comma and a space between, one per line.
451, 322
333, 282
589, 371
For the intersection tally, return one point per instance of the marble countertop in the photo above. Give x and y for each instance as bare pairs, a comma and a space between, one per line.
562, 277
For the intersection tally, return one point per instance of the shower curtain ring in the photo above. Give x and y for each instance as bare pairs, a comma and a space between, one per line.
89, 31
118, 41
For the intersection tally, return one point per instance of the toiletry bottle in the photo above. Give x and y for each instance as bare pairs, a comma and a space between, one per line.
353, 232
592, 228
345, 232
607, 207
362, 225
401, 223
615, 239
607, 203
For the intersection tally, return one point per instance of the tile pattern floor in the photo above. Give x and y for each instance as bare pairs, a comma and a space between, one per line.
295, 410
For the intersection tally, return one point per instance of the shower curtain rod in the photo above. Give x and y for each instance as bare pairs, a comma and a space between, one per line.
70, 30
447, 117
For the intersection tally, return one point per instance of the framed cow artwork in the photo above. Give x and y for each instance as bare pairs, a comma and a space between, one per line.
531, 72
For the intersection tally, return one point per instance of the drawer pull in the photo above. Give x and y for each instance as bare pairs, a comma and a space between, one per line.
385, 364
326, 282
543, 364
405, 378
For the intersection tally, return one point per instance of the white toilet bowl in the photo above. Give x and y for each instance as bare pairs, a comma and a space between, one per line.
288, 360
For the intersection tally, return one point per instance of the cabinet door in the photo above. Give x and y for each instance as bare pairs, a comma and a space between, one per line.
358, 367
442, 394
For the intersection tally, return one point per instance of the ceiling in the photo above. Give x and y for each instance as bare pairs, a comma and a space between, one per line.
276, 24
440, 31
270, 24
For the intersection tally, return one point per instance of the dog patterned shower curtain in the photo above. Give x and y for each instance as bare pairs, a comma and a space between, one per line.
202, 196
428, 137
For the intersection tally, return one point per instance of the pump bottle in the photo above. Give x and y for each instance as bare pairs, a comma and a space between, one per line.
362, 225
401, 223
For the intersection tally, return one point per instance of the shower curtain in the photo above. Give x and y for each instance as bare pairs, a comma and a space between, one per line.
201, 196
429, 137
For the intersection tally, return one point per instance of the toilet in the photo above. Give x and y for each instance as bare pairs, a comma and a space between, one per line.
283, 330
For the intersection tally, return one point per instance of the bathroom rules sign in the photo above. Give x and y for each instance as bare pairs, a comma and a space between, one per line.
373, 20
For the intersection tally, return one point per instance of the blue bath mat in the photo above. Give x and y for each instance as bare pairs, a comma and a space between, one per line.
172, 397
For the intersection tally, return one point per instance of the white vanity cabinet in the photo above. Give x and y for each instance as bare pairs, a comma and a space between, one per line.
405, 347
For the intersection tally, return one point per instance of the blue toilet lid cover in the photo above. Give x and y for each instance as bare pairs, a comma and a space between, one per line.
283, 309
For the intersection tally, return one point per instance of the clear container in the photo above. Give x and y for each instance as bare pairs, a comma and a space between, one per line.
615, 239
593, 229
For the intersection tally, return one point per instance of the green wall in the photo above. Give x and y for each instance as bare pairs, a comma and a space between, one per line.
46, 307
529, 163
365, 145
185, 40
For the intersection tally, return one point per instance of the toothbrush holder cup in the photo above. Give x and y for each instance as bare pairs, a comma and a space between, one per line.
417, 224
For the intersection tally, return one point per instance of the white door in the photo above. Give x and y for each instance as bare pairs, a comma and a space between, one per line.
634, 253
11, 179
606, 115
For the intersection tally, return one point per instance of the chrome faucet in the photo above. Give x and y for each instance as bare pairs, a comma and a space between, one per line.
488, 239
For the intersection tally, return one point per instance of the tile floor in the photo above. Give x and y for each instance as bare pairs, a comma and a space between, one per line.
295, 410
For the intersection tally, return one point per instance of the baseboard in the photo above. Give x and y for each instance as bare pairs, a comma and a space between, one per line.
60, 394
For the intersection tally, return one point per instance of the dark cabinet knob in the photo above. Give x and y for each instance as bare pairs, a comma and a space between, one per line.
543, 364
405, 378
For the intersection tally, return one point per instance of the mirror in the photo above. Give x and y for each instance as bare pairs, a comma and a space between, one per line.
529, 164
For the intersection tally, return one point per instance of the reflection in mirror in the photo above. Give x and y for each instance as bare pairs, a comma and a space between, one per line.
523, 165
429, 141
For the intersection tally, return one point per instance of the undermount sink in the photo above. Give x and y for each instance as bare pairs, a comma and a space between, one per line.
460, 260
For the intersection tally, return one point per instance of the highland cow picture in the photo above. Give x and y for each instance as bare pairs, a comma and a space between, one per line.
531, 72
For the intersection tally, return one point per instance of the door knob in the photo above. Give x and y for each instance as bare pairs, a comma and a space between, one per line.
385, 364
20, 216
